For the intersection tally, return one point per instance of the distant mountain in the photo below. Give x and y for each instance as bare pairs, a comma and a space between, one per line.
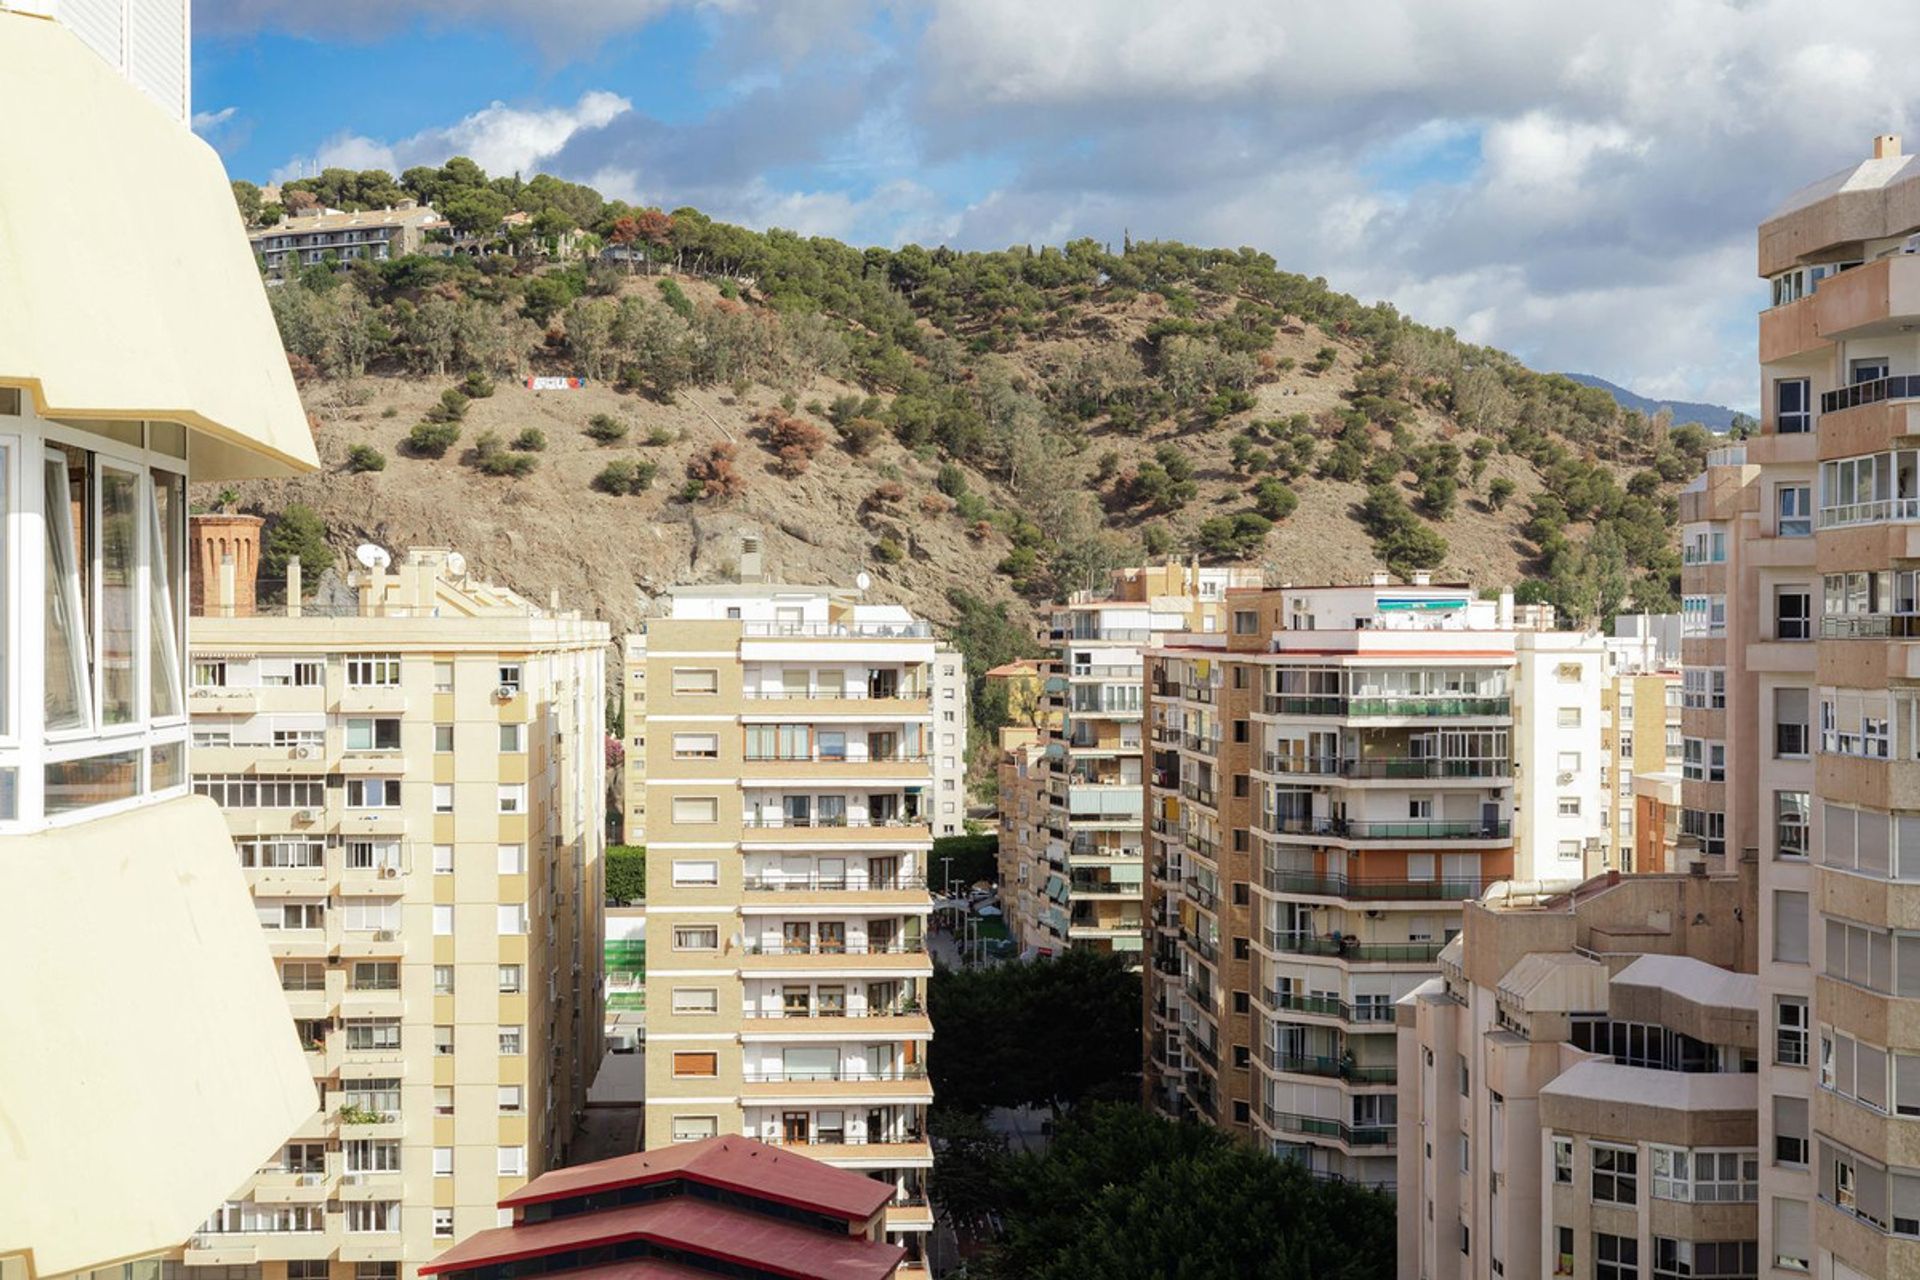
1714, 417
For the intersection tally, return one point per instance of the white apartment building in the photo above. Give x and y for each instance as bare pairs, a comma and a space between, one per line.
949, 742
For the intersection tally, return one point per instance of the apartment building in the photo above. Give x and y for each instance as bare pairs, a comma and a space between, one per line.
1078, 880
785, 740
949, 742
1578, 1092
148, 1062
372, 235
723, 1206
1810, 615
1328, 782
1640, 738
414, 782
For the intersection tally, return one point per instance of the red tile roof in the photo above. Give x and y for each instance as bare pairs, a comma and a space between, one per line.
690, 1224
739, 1163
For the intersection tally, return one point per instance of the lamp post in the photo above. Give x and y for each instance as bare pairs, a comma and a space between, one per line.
946, 870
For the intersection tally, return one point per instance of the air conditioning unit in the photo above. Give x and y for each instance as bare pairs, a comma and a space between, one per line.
1565, 778
505, 692
389, 873
303, 753
306, 815
384, 935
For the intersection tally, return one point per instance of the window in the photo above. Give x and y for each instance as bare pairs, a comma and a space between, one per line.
696, 1000
443, 859
512, 1162
373, 671
1708, 827
443, 1162
696, 937
510, 677
698, 746
442, 1040
365, 733
1703, 615
443, 1100
371, 1034
1790, 1141
1790, 1031
1793, 511
1705, 1260
442, 921
513, 739
443, 738
696, 810
1790, 945
1855, 723
1563, 1160
511, 859
1563, 1251
373, 793
1705, 1177
1792, 1235
1792, 738
1615, 1257
442, 1228
1567, 717
376, 975
1792, 613
1614, 1174
443, 677
696, 1064
1702, 760
512, 919
687, 680
303, 975
1246, 622
1569, 806
513, 797
373, 1215
443, 797
442, 979
511, 979
510, 1099
1792, 406
687, 872
1704, 688
694, 1128
512, 1041
251, 791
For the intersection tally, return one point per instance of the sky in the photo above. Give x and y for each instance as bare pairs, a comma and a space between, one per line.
1577, 185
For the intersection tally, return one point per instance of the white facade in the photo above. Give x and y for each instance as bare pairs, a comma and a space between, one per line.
147, 41
1562, 776
948, 743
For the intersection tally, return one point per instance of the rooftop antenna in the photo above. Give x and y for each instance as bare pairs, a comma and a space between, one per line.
372, 556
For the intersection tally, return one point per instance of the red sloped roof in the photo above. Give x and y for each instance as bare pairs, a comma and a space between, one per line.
683, 1222
742, 1164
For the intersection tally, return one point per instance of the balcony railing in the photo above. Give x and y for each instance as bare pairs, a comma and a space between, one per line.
865, 630
1372, 1135
1419, 829
775, 821
1870, 626
1201, 894
1327, 1006
1388, 952
834, 757
1207, 1053
1388, 767
783, 948
1341, 1068
801, 1075
1899, 386
834, 1138
902, 1009
1361, 889
1289, 704
848, 695
834, 884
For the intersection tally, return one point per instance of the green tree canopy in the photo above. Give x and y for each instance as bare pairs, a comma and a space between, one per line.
296, 531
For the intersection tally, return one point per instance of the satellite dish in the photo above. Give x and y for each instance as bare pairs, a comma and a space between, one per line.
456, 564
372, 556
863, 580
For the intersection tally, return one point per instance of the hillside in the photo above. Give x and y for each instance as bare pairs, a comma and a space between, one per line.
1714, 417
990, 426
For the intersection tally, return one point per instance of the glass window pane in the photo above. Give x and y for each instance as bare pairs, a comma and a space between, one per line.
165, 514
119, 570
66, 671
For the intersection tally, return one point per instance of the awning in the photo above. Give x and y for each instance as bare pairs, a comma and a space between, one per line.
127, 287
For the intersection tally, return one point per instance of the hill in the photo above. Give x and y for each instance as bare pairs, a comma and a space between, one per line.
1714, 417
980, 431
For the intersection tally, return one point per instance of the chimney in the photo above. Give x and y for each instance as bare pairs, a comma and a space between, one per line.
1503, 615
1886, 146
1380, 580
1422, 578
215, 539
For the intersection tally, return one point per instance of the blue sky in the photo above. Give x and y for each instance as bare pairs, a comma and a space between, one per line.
1581, 192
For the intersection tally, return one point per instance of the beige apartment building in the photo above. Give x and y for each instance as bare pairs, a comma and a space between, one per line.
373, 235
1077, 880
146, 1060
413, 777
782, 746
1578, 1087
1328, 781
1640, 738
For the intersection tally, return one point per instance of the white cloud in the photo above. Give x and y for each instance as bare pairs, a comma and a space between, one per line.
499, 138
557, 26
206, 121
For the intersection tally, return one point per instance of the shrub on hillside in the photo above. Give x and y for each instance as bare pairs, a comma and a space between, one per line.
604, 428
299, 532
531, 440
476, 386
626, 477
1235, 537
364, 457
888, 551
452, 406
794, 441
711, 475
1499, 491
1274, 500
494, 459
657, 436
859, 435
432, 439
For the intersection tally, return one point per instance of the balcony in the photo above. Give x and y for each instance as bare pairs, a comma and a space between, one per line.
811, 765
781, 829
1366, 706
1340, 1068
1375, 1135
1417, 829
838, 630
1362, 889
903, 948
1387, 768
1325, 1006
1346, 948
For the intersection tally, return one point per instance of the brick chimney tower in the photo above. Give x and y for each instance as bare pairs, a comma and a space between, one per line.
215, 538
